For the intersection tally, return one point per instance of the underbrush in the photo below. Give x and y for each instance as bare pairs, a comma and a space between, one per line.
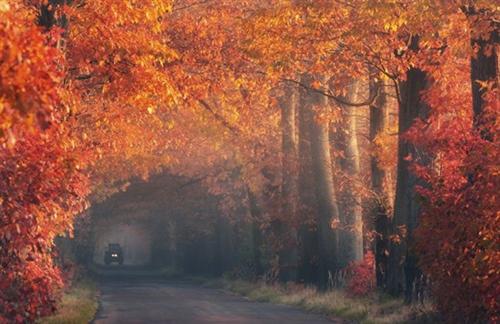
375, 308
78, 305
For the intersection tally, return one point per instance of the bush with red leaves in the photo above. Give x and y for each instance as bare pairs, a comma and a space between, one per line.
361, 276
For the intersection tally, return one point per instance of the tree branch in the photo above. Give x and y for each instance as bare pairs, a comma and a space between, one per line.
338, 99
219, 118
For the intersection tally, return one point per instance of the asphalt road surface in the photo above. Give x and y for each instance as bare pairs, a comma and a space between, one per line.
157, 301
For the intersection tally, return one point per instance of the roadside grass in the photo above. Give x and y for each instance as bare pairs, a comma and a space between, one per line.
78, 305
374, 309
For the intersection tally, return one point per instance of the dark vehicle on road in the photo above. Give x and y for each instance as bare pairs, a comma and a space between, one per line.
114, 253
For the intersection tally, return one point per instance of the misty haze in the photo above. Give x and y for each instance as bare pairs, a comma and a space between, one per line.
249, 162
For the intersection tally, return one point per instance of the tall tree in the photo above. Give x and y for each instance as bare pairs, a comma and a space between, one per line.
402, 259
379, 115
328, 212
485, 37
290, 147
352, 220
308, 233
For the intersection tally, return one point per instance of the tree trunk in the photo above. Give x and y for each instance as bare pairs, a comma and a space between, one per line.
378, 123
328, 213
402, 260
290, 146
256, 213
352, 238
48, 17
47, 14
308, 233
484, 65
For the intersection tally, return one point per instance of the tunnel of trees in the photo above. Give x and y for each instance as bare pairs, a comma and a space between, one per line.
285, 141
170, 221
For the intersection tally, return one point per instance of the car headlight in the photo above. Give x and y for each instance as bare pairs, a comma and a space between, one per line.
114, 255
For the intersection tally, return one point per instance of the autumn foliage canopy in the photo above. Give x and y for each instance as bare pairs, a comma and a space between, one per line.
95, 93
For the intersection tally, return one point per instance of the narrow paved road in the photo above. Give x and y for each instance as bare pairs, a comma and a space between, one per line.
156, 301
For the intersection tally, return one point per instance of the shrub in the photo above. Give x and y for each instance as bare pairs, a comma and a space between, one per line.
361, 276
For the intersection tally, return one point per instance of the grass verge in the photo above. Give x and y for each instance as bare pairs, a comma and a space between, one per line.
78, 305
377, 308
